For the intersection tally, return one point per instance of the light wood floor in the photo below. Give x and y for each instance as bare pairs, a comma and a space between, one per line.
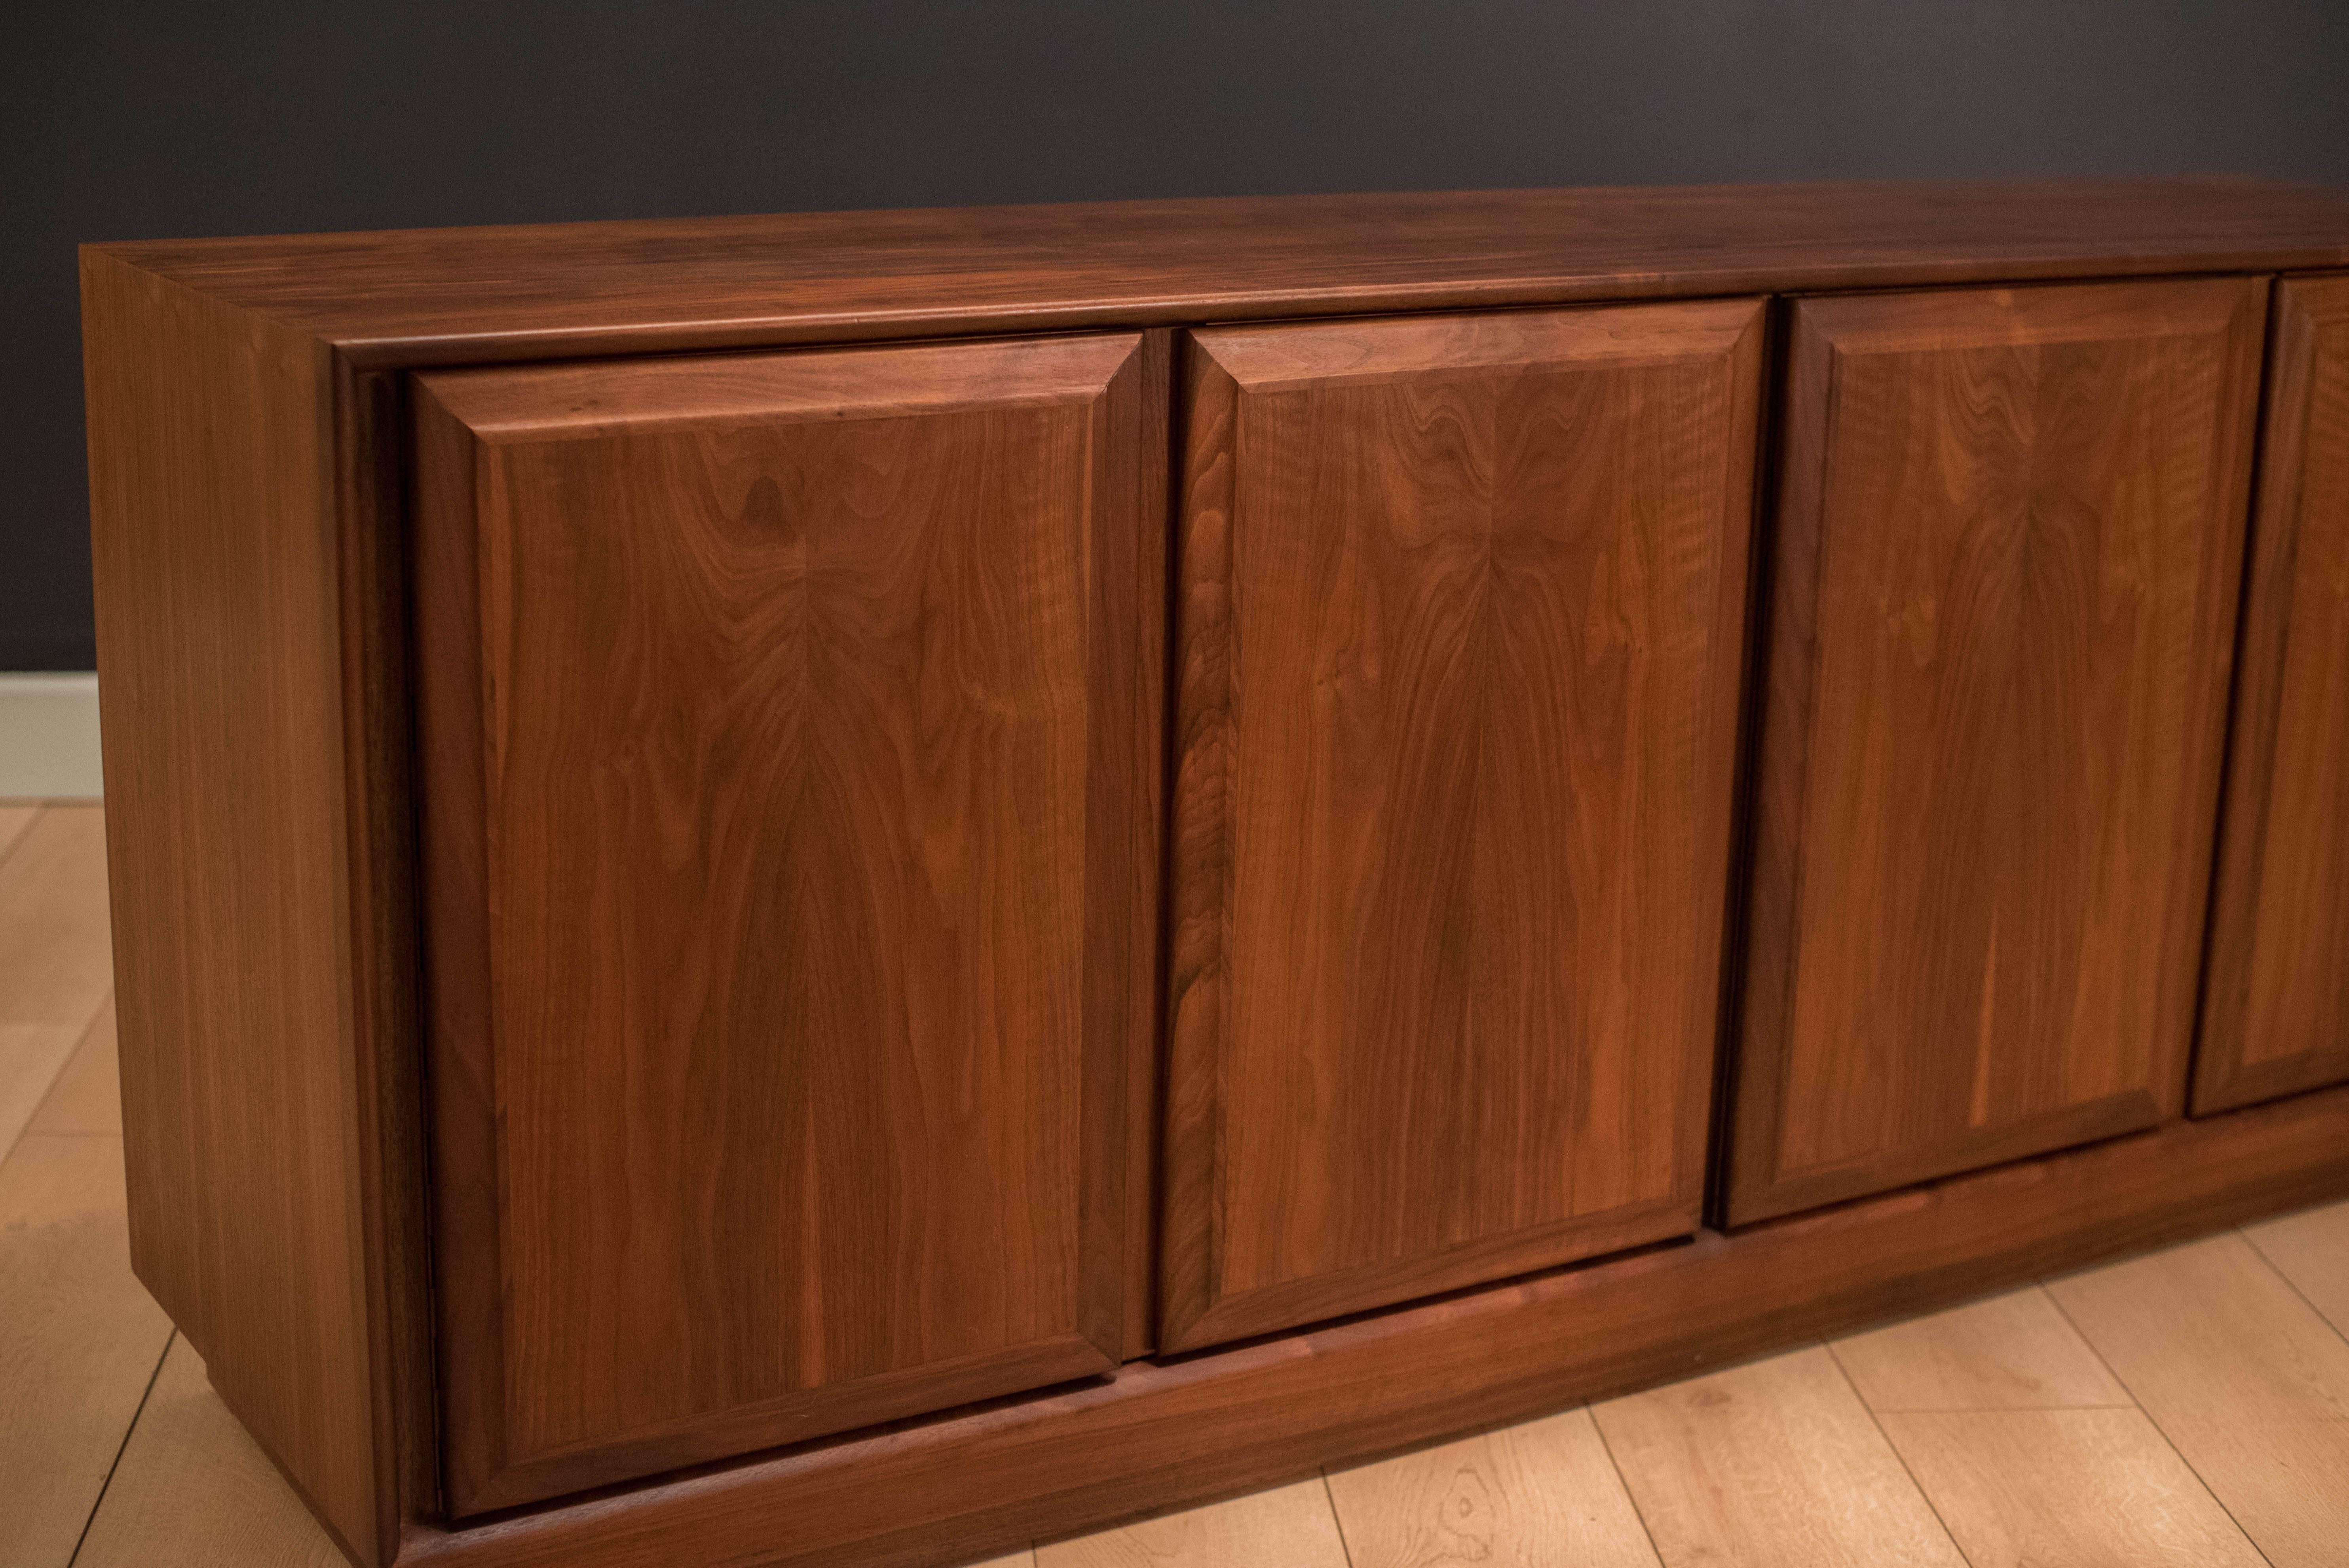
2188, 1407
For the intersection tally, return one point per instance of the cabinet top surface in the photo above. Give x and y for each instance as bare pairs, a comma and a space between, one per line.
425, 296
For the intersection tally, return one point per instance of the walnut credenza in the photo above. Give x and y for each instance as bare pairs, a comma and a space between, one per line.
848, 889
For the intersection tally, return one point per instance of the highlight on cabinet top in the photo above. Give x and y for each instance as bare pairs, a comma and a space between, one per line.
850, 888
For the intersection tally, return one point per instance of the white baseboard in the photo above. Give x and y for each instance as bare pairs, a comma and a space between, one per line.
48, 737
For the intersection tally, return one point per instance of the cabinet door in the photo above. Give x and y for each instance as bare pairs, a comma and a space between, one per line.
2006, 566
1461, 611
2276, 1017
788, 761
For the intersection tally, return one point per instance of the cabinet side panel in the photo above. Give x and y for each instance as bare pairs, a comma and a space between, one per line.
220, 656
2277, 1015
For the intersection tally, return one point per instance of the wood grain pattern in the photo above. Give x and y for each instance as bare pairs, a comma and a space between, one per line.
1771, 1465
192, 1491
2011, 1352
1461, 643
1290, 1525
1156, 1435
2241, 1375
2275, 1016
1528, 1496
79, 1340
424, 297
2010, 526
248, 438
238, 801
2086, 1489
789, 759
2310, 1249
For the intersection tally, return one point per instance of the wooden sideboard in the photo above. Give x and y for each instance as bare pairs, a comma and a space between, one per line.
848, 889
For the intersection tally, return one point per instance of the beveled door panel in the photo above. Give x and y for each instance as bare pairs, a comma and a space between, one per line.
2276, 1017
789, 770
2006, 565
1459, 632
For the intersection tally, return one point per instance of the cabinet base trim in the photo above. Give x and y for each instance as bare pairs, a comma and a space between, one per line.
1159, 1436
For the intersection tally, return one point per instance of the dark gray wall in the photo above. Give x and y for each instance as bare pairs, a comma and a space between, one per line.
124, 123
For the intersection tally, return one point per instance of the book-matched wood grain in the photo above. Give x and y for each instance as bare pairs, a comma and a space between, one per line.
243, 789
252, 555
2007, 559
789, 761
2275, 1016
1460, 636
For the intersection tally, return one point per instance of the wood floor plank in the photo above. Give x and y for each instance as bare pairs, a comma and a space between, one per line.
2083, 1488
2310, 1249
13, 821
192, 1491
2242, 1375
80, 1340
31, 1057
1291, 1527
56, 956
2011, 1352
1776, 1464
1529, 1496
88, 1094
